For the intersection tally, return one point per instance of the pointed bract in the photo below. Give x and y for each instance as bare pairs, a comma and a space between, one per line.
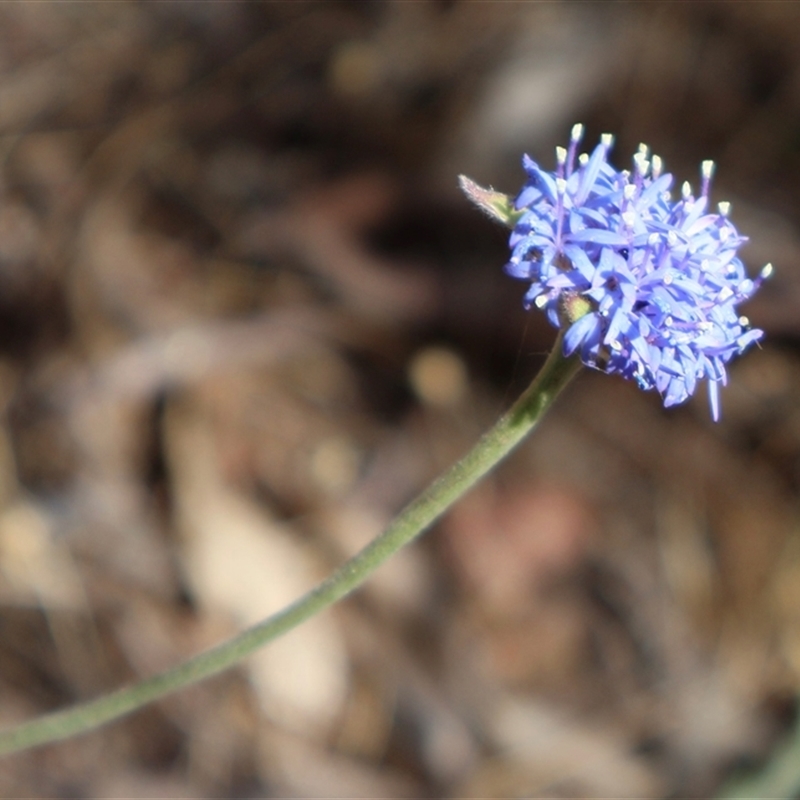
498, 206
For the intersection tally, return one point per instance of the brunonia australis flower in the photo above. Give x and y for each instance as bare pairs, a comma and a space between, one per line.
638, 284
644, 285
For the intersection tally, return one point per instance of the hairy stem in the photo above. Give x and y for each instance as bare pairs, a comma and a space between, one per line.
410, 523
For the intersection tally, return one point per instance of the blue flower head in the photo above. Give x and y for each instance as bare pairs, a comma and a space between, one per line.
645, 286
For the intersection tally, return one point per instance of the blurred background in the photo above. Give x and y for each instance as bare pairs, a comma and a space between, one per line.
245, 316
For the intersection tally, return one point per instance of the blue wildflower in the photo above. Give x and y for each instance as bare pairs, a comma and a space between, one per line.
646, 287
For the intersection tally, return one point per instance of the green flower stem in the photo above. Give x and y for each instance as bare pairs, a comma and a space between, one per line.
778, 778
412, 521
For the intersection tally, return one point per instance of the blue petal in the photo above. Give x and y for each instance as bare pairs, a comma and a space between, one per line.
598, 236
580, 330
676, 392
518, 269
654, 191
590, 173
528, 196
580, 261
713, 399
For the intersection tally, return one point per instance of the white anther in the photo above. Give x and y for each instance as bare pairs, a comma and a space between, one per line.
561, 155
641, 163
724, 234
725, 294
724, 208
704, 264
672, 238
707, 170
653, 239
615, 344
686, 190
629, 192
606, 139
767, 271
668, 321
666, 196
577, 132
540, 301
561, 185
583, 159
668, 279
628, 217
643, 149
730, 270
657, 165
744, 321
